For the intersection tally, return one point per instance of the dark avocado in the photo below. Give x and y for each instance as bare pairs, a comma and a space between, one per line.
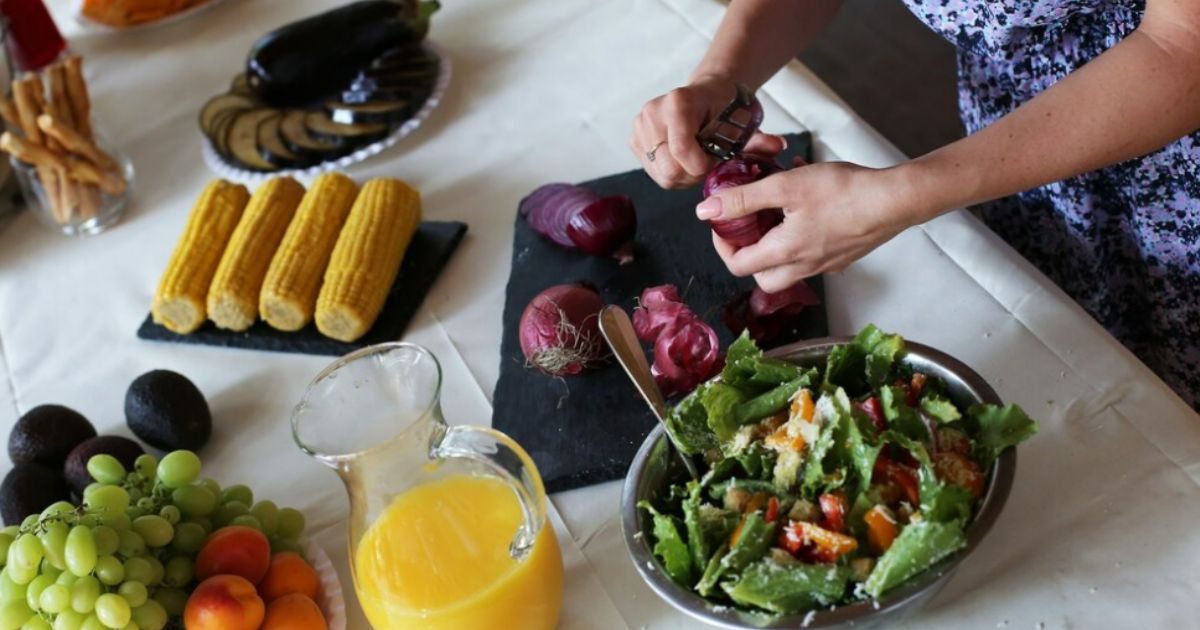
46, 434
29, 488
75, 469
167, 411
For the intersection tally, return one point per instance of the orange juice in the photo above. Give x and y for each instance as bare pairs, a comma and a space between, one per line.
438, 558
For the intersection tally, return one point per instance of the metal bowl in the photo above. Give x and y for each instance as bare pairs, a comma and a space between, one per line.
654, 469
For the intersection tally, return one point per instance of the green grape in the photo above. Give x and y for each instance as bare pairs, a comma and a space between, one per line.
13, 614
158, 571
110, 571
267, 514
113, 610
291, 523
189, 538
150, 615
33, 592
155, 529
178, 468
204, 522
66, 578
50, 570
9, 589
107, 540
134, 512
171, 513
246, 520
135, 495
132, 544
280, 545
24, 557
36, 623
229, 511
240, 493
29, 523
146, 466
84, 592
12, 531
5, 541
139, 570
173, 600
90, 488
194, 500
55, 599
135, 593
106, 469
179, 571
92, 622
60, 509
109, 499
119, 521
68, 620
212, 485
54, 543
81, 551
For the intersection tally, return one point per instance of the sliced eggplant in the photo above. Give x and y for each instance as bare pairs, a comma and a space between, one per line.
243, 139
414, 94
412, 61
220, 135
219, 104
241, 85
296, 138
418, 75
321, 126
369, 112
270, 144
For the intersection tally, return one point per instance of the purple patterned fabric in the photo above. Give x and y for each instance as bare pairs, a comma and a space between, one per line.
1124, 241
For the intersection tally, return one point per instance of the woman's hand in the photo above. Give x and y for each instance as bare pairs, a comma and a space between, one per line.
833, 214
664, 132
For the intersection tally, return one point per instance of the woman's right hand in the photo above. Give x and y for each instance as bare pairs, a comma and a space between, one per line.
664, 132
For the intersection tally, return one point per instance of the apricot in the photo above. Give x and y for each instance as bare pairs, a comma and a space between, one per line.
288, 574
293, 612
224, 602
234, 550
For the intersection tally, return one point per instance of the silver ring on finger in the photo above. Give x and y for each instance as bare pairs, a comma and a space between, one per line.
653, 150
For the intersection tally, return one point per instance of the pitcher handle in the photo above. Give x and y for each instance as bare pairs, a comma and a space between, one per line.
507, 459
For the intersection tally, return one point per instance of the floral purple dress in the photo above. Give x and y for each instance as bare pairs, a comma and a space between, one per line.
1124, 241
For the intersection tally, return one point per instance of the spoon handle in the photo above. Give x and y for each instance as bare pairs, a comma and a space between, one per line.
618, 331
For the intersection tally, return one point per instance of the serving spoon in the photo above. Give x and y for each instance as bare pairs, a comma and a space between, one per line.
618, 331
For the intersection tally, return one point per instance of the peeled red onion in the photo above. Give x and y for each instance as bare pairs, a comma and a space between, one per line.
686, 350
739, 171
559, 330
574, 216
658, 308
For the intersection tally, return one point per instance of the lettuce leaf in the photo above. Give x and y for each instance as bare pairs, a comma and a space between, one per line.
865, 363
707, 526
941, 409
720, 401
900, 417
688, 423
995, 428
669, 545
788, 589
740, 360
753, 541
943, 502
919, 546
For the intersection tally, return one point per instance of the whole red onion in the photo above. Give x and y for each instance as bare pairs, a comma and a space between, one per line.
559, 330
739, 171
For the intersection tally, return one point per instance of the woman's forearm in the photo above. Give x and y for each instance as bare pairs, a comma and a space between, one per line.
757, 37
1133, 99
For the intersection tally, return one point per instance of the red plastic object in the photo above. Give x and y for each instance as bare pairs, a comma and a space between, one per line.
33, 38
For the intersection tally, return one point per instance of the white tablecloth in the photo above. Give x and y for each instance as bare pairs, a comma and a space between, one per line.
1106, 497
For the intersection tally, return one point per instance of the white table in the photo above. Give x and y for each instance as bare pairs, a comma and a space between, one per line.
1106, 496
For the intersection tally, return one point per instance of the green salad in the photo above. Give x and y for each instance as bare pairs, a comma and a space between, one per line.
823, 487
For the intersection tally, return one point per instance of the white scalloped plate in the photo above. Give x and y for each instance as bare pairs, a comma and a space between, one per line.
233, 173
88, 25
332, 602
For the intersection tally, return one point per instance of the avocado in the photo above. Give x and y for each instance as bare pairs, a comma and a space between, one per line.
29, 488
46, 434
167, 411
75, 469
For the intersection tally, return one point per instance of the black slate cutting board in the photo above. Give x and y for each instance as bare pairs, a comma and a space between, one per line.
586, 429
428, 253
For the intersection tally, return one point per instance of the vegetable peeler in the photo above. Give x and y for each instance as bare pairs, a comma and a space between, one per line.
726, 135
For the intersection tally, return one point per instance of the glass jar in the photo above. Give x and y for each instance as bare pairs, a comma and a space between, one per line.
82, 209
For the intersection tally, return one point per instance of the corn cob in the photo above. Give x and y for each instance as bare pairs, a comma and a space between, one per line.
180, 300
367, 258
289, 293
233, 295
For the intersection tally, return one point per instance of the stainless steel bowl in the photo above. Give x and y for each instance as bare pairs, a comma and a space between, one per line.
653, 470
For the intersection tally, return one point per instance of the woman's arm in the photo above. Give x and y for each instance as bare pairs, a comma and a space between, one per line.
755, 39
1134, 98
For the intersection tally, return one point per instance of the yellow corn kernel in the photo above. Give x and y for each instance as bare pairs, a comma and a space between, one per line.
180, 299
289, 293
367, 258
233, 295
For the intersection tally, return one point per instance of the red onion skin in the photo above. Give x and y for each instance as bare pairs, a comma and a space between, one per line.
685, 355
549, 209
739, 171
604, 226
659, 308
789, 301
556, 349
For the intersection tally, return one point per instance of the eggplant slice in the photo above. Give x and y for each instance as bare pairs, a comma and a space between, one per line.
296, 138
349, 137
241, 86
220, 104
271, 147
368, 112
243, 139
220, 135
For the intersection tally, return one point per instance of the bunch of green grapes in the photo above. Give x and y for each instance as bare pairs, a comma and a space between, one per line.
125, 558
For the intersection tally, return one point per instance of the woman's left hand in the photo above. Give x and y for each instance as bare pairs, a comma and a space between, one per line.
833, 214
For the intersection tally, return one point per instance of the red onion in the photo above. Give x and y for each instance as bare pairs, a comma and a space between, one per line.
686, 350
739, 171
767, 315
574, 216
659, 308
559, 330
789, 301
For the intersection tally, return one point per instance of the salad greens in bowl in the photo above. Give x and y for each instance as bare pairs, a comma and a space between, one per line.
844, 480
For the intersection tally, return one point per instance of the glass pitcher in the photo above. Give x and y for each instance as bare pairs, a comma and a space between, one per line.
448, 525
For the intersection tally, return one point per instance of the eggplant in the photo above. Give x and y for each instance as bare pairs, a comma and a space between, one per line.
414, 94
314, 58
374, 111
218, 105
271, 147
296, 138
240, 85
242, 139
349, 137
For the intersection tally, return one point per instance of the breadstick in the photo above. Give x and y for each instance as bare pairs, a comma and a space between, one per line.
26, 94
89, 201
69, 191
74, 143
60, 105
77, 96
8, 111
84, 171
30, 153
